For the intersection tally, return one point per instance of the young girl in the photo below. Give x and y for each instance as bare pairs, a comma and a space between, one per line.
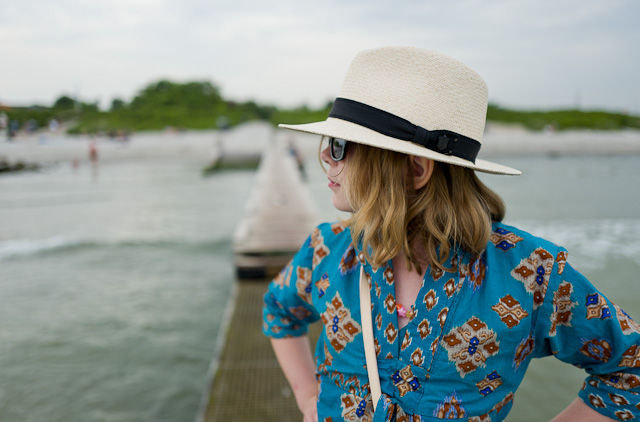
460, 303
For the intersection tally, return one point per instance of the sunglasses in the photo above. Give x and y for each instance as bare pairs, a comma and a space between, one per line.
337, 148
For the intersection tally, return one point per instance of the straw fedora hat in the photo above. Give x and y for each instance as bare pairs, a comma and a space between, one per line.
413, 101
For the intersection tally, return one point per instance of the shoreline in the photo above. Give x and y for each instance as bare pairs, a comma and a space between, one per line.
505, 140
204, 146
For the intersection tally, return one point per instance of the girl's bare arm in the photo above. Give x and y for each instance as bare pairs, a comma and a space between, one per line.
295, 359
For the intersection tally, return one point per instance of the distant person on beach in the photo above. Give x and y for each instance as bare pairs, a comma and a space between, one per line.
431, 307
4, 125
13, 128
93, 151
54, 125
4, 121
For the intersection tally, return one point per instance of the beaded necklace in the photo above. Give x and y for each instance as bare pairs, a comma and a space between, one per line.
403, 312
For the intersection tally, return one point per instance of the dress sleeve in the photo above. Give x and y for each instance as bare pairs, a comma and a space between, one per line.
579, 325
288, 307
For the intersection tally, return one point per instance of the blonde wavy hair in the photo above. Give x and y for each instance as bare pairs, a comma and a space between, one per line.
454, 209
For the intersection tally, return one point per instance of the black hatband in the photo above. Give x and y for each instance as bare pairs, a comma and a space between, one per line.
441, 141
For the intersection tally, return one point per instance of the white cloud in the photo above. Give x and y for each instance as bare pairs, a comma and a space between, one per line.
533, 53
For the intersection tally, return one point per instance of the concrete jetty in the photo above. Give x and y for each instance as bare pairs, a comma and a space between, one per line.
278, 216
246, 383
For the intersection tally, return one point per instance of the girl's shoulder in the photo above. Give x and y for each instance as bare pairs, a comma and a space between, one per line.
327, 240
518, 242
331, 233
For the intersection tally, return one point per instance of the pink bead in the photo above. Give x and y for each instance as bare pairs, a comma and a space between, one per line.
402, 312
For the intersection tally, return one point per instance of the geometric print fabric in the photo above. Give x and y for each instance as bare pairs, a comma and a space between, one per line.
475, 326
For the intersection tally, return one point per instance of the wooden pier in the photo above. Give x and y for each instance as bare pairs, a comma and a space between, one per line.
246, 383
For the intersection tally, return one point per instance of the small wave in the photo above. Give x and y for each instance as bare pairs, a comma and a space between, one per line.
19, 248
592, 242
26, 247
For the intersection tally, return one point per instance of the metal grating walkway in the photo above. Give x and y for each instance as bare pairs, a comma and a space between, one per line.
248, 384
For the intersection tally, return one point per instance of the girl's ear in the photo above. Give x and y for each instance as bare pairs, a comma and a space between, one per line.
422, 171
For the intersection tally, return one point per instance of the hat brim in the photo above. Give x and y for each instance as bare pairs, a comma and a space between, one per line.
338, 128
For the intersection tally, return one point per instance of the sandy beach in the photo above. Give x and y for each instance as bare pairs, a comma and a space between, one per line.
251, 138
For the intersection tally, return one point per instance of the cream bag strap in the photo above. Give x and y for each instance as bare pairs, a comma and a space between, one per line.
367, 337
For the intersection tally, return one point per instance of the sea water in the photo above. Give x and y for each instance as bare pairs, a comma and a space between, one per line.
112, 288
591, 206
114, 280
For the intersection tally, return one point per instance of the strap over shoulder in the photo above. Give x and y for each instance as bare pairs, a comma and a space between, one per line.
367, 337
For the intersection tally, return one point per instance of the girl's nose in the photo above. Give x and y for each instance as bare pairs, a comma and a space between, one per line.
326, 156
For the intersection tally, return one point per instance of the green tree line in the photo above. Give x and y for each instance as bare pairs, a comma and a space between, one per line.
563, 119
200, 105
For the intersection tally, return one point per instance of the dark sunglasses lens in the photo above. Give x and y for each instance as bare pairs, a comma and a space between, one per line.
337, 148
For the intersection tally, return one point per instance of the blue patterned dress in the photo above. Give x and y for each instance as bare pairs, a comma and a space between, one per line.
472, 335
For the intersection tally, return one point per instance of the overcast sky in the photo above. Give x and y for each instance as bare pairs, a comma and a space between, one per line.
532, 53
